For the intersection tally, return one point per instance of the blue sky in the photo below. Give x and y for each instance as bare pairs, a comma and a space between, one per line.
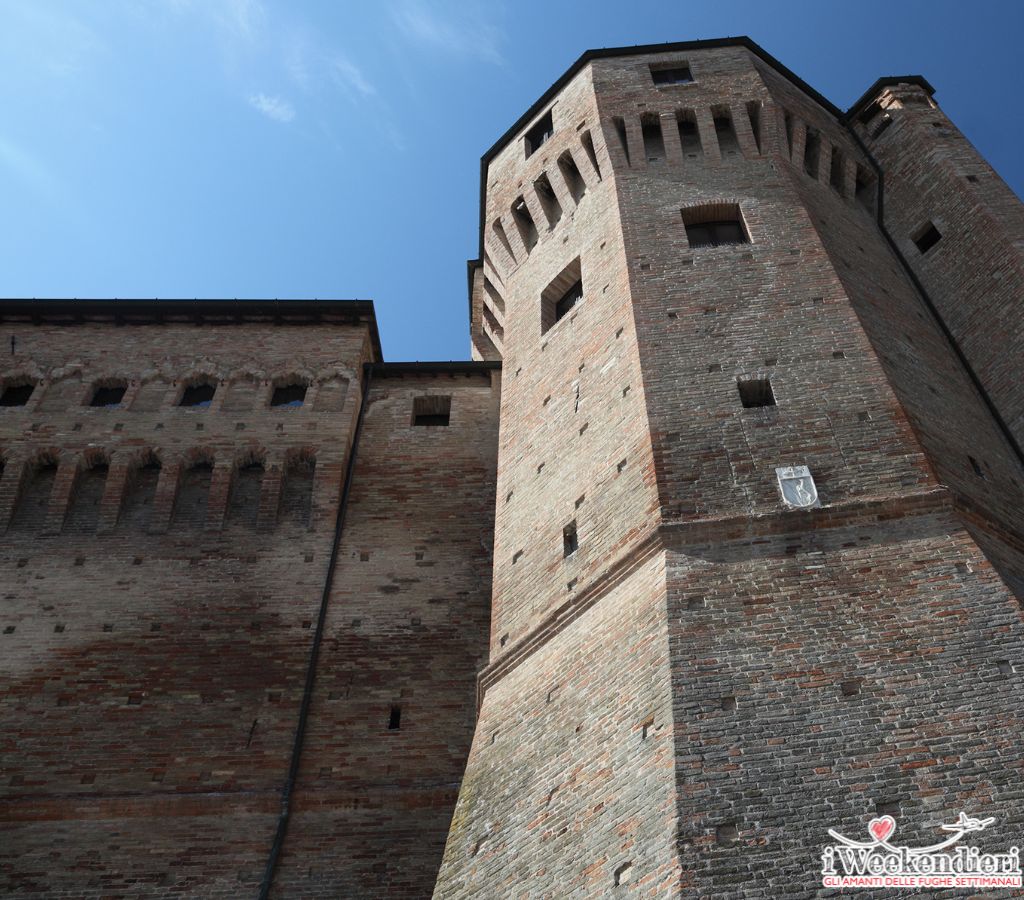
323, 148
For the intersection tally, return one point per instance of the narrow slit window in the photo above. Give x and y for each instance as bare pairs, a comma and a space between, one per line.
689, 134
812, 152
289, 395
754, 114
571, 175
198, 396
570, 540
728, 144
788, 122
561, 295
756, 392
395, 718
16, 394
431, 410
714, 225
678, 74
539, 134
524, 223
548, 201
108, 397
620, 130
588, 146
927, 237
836, 169
654, 143
864, 189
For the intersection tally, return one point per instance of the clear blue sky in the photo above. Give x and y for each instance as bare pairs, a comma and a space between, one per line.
324, 148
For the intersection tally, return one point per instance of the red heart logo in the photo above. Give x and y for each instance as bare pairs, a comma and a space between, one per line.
882, 827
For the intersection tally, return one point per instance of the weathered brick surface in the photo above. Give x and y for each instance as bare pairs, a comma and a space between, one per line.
704, 660
767, 612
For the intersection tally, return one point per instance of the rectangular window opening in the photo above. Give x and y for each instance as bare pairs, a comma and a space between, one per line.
570, 540
756, 392
677, 74
714, 225
885, 122
561, 295
539, 134
788, 121
572, 177
927, 237
395, 718
431, 409
108, 397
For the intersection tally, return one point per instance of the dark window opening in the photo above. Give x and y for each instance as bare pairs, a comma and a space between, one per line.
714, 225
395, 718
431, 410
864, 189
788, 120
548, 202
812, 152
728, 144
292, 395
727, 834
689, 134
588, 146
620, 130
108, 397
885, 123
836, 168
674, 75
16, 394
654, 143
198, 395
539, 134
570, 539
756, 392
754, 114
524, 223
559, 297
927, 238
571, 175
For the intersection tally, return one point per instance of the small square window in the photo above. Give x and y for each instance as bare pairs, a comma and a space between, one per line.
539, 134
756, 392
16, 394
198, 395
714, 225
290, 395
674, 75
431, 410
927, 237
108, 397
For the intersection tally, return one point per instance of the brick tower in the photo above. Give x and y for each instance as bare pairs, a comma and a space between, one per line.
710, 288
